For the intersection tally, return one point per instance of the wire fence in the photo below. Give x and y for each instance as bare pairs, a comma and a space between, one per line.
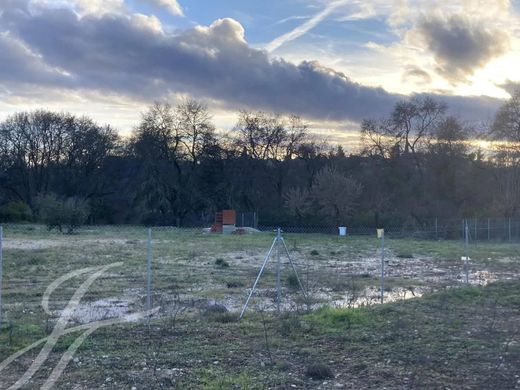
165, 263
480, 229
167, 270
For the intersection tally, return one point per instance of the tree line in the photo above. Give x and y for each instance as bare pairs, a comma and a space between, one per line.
177, 169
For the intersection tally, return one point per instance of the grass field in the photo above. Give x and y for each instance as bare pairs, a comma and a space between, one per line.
434, 331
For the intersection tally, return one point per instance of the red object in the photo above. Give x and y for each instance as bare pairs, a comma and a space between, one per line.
216, 228
229, 217
224, 217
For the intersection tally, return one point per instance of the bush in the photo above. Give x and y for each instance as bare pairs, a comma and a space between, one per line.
221, 263
219, 313
404, 255
234, 284
69, 214
319, 371
15, 212
292, 281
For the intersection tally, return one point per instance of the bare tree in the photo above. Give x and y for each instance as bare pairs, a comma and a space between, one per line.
36, 145
157, 135
335, 194
506, 126
449, 137
506, 131
374, 138
406, 131
265, 136
297, 135
196, 132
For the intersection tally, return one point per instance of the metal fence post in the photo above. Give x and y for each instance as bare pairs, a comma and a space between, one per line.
509, 230
149, 270
466, 242
382, 267
1, 269
436, 229
278, 272
489, 230
476, 230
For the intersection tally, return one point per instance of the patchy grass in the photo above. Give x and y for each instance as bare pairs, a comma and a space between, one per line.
454, 336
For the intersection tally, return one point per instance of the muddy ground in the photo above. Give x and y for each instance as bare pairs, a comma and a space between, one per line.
203, 280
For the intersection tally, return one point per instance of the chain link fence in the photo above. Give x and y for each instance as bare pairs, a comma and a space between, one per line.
480, 229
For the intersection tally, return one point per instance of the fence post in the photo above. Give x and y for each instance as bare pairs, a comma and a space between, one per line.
466, 242
278, 272
436, 229
476, 230
149, 270
509, 229
382, 266
463, 228
1, 269
489, 229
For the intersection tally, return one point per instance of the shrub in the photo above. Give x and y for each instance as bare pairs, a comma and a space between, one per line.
15, 212
219, 313
404, 255
69, 214
319, 371
234, 284
292, 281
221, 263
314, 252
215, 309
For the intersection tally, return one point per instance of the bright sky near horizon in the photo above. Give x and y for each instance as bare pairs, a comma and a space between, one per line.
333, 62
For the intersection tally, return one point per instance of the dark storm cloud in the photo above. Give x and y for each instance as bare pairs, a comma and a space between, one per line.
460, 45
132, 56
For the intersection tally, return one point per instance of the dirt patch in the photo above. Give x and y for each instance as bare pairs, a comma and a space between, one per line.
101, 309
32, 245
39, 244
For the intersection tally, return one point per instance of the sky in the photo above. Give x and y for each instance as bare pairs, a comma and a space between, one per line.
332, 62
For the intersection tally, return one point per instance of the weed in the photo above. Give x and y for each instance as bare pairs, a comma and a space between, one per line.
221, 263
319, 371
404, 255
234, 284
314, 252
292, 281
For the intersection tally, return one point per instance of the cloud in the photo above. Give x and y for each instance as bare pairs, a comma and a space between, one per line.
417, 75
510, 86
82, 7
305, 27
20, 66
172, 6
460, 45
132, 56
